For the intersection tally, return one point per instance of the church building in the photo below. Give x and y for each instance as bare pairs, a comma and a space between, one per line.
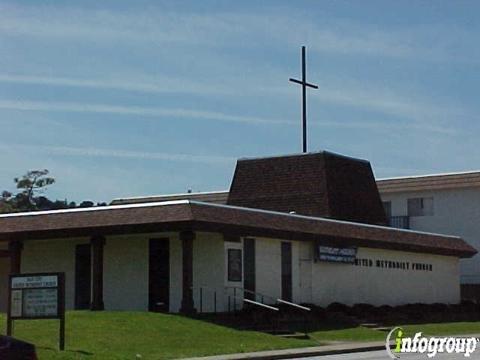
305, 228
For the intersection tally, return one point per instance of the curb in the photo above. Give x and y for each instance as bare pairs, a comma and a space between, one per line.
298, 353
325, 350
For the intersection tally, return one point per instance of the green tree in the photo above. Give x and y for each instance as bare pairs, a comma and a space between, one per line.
30, 185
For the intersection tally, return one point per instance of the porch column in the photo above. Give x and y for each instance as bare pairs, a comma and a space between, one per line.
15, 248
187, 237
97, 244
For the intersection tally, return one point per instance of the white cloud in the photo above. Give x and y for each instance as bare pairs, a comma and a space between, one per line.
118, 153
415, 113
217, 29
136, 110
136, 83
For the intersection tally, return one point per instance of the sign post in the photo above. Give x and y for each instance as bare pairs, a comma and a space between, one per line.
37, 296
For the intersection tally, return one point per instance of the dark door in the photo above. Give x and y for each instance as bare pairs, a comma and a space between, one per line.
83, 274
249, 267
286, 271
159, 275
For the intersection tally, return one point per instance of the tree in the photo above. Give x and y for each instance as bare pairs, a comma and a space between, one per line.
30, 198
31, 184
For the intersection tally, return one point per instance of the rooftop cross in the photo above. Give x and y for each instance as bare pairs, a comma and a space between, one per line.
304, 84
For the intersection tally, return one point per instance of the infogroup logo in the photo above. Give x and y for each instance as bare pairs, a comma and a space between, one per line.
430, 345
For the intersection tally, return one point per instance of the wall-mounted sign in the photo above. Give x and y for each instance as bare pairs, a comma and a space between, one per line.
37, 296
235, 265
334, 254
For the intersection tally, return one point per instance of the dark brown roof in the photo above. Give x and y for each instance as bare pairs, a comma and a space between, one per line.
192, 215
319, 184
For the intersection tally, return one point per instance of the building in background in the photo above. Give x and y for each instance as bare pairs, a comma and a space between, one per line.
441, 203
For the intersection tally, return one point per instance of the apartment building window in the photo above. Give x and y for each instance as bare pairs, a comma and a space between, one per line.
420, 206
387, 205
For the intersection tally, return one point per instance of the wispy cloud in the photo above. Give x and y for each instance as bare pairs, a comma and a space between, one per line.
216, 29
136, 110
119, 153
414, 112
136, 83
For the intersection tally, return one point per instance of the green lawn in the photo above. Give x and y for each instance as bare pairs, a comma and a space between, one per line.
123, 335
365, 334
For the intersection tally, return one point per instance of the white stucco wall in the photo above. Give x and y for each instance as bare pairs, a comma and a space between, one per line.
350, 284
208, 271
269, 270
456, 212
126, 268
126, 273
53, 256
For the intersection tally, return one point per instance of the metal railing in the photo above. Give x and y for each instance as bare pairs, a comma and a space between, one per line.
258, 297
400, 222
238, 293
232, 295
262, 298
202, 290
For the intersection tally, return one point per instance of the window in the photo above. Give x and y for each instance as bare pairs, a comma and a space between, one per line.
235, 265
420, 206
387, 205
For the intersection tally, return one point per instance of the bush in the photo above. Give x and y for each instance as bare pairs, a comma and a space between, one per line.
363, 310
338, 308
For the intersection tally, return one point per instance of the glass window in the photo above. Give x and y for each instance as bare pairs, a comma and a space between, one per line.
235, 265
420, 206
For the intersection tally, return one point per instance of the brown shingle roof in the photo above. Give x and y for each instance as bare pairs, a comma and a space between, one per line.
182, 215
318, 184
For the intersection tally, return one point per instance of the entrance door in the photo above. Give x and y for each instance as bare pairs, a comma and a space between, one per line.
83, 274
159, 275
249, 267
286, 271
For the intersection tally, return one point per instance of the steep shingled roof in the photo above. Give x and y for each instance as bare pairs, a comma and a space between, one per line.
319, 184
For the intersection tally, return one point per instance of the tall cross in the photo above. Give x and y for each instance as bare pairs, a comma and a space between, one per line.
304, 84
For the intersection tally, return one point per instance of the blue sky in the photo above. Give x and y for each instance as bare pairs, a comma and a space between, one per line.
147, 97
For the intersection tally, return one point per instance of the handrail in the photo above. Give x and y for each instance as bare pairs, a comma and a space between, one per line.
251, 292
294, 305
277, 300
260, 304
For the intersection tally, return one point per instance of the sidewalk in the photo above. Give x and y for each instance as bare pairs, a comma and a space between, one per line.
338, 348
329, 349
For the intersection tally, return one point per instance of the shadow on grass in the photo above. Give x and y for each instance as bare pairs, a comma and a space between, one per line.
277, 323
79, 352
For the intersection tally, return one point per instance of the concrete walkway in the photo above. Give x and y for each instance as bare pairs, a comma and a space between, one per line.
331, 349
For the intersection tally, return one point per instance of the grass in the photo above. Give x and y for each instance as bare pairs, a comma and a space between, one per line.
123, 335
365, 334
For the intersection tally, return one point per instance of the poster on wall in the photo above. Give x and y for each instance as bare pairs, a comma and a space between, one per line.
235, 265
335, 254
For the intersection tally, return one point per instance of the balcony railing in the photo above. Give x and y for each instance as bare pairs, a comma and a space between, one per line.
400, 222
